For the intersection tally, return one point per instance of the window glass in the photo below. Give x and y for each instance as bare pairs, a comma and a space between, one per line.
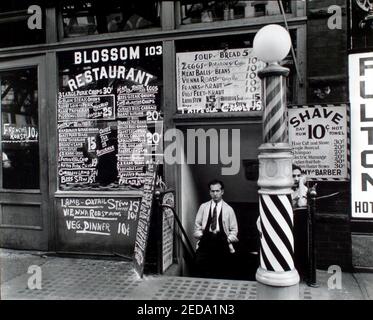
17, 26
82, 18
209, 11
361, 24
220, 74
19, 129
109, 120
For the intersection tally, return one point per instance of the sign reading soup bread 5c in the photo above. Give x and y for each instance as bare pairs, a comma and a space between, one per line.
318, 137
218, 81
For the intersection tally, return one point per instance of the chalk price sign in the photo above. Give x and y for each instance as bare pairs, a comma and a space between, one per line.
318, 137
218, 81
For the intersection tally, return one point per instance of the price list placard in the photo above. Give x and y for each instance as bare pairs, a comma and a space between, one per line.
318, 137
109, 117
218, 81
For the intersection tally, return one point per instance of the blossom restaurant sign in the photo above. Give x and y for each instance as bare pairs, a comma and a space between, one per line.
361, 97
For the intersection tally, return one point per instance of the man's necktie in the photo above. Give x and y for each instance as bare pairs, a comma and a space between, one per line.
214, 219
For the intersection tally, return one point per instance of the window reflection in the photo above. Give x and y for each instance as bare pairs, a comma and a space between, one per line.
14, 29
19, 129
209, 11
94, 17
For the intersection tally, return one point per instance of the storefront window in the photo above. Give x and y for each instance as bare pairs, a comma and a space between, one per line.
220, 75
81, 18
361, 24
19, 129
18, 26
109, 116
209, 11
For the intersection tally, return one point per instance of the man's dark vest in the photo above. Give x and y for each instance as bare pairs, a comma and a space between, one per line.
220, 220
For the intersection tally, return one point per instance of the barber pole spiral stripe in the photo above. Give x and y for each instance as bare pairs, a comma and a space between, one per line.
277, 241
275, 114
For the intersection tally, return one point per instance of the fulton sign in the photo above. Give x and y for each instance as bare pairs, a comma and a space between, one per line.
361, 97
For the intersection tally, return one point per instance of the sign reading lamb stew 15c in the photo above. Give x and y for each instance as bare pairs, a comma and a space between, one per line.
218, 81
318, 137
361, 97
109, 116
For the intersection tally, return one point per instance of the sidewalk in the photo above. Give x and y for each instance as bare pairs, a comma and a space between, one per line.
86, 279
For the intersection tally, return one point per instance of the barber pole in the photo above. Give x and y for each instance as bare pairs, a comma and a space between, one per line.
275, 182
275, 113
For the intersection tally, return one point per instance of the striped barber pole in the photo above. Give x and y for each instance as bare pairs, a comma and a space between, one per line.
277, 241
275, 113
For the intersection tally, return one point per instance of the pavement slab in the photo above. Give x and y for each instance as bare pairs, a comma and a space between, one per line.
97, 279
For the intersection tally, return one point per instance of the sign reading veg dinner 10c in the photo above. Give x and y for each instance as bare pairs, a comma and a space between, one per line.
218, 81
318, 137
361, 97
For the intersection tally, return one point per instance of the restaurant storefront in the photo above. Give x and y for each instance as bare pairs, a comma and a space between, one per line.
107, 99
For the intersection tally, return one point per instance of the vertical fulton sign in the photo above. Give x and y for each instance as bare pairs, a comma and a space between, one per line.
361, 97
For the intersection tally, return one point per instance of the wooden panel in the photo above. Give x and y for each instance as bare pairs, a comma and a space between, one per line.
21, 216
23, 239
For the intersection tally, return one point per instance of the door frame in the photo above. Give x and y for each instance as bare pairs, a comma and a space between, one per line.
39, 196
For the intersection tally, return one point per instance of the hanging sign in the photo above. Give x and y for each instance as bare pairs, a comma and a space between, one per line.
318, 136
361, 97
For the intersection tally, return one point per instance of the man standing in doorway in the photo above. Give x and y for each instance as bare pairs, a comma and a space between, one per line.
299, 195
215, 229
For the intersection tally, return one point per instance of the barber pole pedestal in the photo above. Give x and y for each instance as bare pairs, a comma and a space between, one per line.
277, 277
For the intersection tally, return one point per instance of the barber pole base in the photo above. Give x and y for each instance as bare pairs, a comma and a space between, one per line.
277, 277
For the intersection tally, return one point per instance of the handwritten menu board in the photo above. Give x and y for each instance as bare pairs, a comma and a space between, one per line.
318, 137
97, 224
109, 117
218, 81
167, 231
144, 220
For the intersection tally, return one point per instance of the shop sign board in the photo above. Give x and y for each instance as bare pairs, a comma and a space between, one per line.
218, 81
143, 225
109, 116
167, 231
109, 131
361, 98
318, 135
98, 224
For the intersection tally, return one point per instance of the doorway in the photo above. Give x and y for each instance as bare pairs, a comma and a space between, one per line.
24, 221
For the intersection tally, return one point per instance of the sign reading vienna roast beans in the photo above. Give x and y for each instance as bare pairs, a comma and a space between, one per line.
97, 224
218, 81
109, 117
318, 137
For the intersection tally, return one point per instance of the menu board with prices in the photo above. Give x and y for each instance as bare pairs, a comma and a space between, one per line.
97, 224
218, 81
168, 224
144, 220
319, 138
109, 117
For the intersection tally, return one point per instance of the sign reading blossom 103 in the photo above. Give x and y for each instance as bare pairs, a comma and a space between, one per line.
318, 137
218, 81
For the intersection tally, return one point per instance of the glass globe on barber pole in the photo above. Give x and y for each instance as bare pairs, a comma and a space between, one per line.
272, 43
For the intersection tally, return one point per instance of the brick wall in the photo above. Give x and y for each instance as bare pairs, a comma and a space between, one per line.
327, 66
326, 54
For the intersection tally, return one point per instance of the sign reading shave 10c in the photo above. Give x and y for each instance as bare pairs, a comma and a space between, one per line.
361, 97
218, 81
318, 137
